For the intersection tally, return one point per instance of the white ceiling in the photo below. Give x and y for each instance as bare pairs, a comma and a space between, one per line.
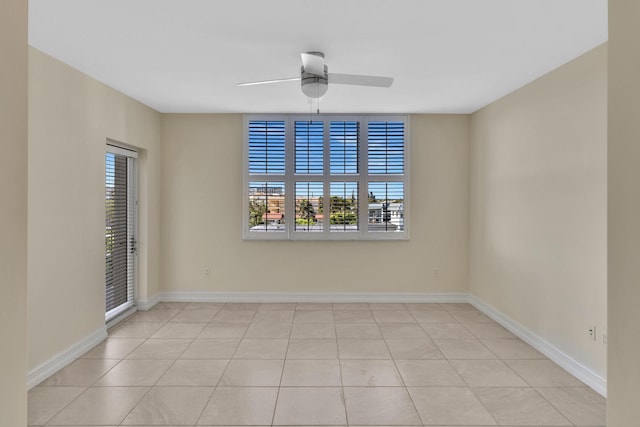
447, 56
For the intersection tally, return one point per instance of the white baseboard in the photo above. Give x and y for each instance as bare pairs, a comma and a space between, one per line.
337, 297
145, 304
62, 359
575, 368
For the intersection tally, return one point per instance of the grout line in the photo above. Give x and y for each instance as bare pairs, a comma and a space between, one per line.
284, 362
339, 362
393, 359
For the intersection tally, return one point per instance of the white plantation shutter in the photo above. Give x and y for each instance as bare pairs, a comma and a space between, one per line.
345, 147
309, 147
386, 147
266, 147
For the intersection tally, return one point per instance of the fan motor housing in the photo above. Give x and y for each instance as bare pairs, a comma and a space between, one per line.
313, 85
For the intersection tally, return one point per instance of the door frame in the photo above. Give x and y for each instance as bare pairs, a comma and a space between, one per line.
115, 315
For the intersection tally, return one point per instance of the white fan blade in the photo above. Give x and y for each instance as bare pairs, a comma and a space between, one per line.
360, 80
313, 64
264, 82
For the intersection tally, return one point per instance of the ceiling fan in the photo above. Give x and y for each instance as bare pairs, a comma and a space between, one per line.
315, 78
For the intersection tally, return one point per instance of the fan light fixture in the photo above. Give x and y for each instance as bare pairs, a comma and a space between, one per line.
314, 86
314, 77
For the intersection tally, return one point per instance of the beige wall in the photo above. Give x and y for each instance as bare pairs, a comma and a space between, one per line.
538, 207
13, 212
70, 118
624, 214
202, 214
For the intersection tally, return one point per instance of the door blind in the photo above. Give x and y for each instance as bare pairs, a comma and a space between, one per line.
119, 233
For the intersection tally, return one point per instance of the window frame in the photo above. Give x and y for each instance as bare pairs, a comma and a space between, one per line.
290, 178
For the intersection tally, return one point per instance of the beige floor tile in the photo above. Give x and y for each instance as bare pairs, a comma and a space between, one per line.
401, 330
179, 330
456, 406
464, 349
153, 316
429, 306
169, 349
353, 348
519, 406
320, 348
369, 373
45, 402
512, 349
543, 373
313, 330
234, 316
113, 348
353, 316
204, 306
390, 316
210, 349
193, 373
135, 329
471, 316
487, 377
386, 306
135, 373
311, 373
268, 329
487, 373
195, 315
80, 373
256, 373
380, 406
357, 330
250, 348
100, 406
432, 316
313, 316
413, 348
170, 405
350, 306
429, 373
224, 330
446, 331
235, 406
310, 406
275, 315
488, 330
583, 406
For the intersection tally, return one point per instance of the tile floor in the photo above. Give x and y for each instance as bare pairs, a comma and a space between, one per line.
206, 364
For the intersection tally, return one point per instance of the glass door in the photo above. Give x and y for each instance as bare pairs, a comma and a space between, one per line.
120, 230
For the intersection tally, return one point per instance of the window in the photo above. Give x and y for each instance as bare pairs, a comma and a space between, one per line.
326, 177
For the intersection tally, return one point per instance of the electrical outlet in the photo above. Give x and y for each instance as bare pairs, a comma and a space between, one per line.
592, 332
436, 272
207, 272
